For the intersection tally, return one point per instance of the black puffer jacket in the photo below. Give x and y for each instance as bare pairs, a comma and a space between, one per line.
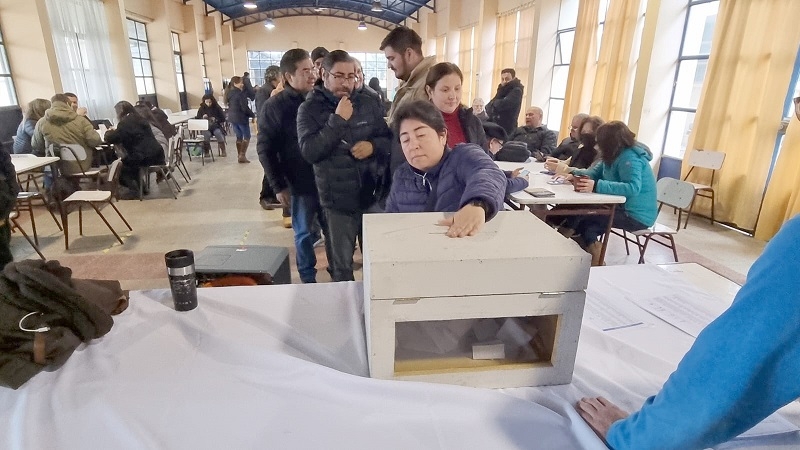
473, 128
134, 135
506, 104
238, 109
8, 185
345, 184
277, 141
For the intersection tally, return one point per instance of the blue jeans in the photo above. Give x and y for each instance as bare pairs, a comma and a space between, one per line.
242, 131
306, 210
592, 228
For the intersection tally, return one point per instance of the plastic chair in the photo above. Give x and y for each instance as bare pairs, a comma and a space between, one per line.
92, 198
76, 152
163, 169
704, 159
671, 192
196, 139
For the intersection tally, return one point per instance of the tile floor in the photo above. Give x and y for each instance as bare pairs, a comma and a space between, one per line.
219, 206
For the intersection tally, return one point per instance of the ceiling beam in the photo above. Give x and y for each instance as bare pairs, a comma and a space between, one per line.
260, 17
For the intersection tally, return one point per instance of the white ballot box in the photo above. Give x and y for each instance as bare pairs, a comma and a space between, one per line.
430, 301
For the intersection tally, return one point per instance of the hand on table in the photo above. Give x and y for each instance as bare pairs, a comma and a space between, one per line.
584, 184
516, 173
362, 150
468, 221
599, 414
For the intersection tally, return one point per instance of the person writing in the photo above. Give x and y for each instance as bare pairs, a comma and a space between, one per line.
463, 180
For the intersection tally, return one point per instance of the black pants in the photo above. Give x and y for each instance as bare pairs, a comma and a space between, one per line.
343, 229
591, 228
5, 242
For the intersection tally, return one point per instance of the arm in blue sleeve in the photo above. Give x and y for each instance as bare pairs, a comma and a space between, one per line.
594, 172
742, 367
515, 184
483, 180
630, 179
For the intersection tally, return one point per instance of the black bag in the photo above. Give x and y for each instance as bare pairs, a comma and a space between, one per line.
513, 151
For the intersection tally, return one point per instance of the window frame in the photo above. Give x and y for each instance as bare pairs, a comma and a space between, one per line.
177, 57
13, 89
141, 60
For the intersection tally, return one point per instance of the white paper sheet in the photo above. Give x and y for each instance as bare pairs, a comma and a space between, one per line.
676, 309
772, 425
605, 315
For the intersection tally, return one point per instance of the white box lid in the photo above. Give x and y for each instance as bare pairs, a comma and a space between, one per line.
409, 256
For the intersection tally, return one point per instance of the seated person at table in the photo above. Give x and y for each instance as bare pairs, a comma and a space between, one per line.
742, 367
541, 140
443, 86
144, 111
211, 111
569, 146
138, 142
62, 125
587, 153
624, 169
162, 121
34, 112
497, 135
8, 197
434, 177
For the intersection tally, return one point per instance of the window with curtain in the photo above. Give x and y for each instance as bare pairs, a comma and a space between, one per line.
466, 62
140, 52
80, 36
8, 95
637, 40
701, 16
505, 44
258, 61
374, 66
565, 37
602, 12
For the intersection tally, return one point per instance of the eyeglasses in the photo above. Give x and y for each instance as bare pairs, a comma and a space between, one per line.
342, 77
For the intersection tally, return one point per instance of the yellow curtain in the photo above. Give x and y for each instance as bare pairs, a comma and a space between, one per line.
581, 65
441, 48
613, 67
504, 47
524, 47
752, 55
783, 193
466, 64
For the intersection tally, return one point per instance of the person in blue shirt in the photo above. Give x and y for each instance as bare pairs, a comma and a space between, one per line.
624, 169
743, 366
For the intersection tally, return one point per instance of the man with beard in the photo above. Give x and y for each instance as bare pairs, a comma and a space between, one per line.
506, 104
288, 174
343, 134
403, 50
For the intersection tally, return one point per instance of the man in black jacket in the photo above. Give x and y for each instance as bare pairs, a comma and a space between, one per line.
506, 104
8, 197
289, 175
344, 136
541, 141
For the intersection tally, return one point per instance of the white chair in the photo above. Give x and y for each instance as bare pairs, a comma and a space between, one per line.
101, 130
704, 159
162, 169
671, 192
93, 198
167, 111
175, 155
76, 153
196, 138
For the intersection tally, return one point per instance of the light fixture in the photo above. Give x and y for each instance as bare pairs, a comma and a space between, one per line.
362, 26
250, 5
319, 9
376, 6
269, 23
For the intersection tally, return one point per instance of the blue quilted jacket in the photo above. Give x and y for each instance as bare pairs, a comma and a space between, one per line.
465, 173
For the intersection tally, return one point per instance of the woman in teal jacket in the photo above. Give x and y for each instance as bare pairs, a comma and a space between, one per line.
624, 170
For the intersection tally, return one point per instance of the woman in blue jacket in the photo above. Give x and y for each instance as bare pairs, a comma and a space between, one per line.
463, 180
624, 169
34, 112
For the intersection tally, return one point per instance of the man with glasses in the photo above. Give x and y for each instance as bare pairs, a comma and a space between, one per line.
343, 134
569, 146
287, 173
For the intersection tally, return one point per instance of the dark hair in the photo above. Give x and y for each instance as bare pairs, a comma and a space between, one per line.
402, 38
144, 111
273, 73
123, 109
246, 74
235, 80
375, 83
509, 70
612, 138
70, 94
211, 97
594, 121
317, 53
334, 57
291, 58
495, 131
421, 110
441, 70
60, 98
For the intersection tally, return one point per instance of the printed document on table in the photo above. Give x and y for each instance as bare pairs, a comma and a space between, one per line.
604, 314
679, 311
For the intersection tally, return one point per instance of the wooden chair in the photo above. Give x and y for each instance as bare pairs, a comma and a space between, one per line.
15, 226
671, 192
704, 159
93, 198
